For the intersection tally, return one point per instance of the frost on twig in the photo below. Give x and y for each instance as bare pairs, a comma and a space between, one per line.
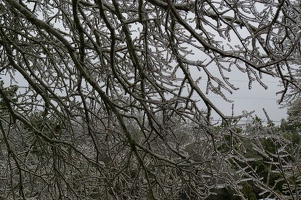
113, 98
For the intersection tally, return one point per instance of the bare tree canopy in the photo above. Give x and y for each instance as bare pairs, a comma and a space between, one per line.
113, 107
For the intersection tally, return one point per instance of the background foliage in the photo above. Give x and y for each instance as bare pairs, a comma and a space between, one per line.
105, 100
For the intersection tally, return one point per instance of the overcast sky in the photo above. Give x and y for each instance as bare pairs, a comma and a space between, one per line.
255, 99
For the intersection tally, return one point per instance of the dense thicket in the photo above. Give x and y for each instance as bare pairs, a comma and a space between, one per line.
108, 99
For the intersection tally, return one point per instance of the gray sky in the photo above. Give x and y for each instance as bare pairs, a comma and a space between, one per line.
255, 99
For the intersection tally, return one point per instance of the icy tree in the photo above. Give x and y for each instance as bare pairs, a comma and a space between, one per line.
113, 100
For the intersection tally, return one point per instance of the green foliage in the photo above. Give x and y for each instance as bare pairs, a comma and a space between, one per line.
269, 145
290, 132
225, 145
293, 122
271, 155
10, 94
50, 126
248, 191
